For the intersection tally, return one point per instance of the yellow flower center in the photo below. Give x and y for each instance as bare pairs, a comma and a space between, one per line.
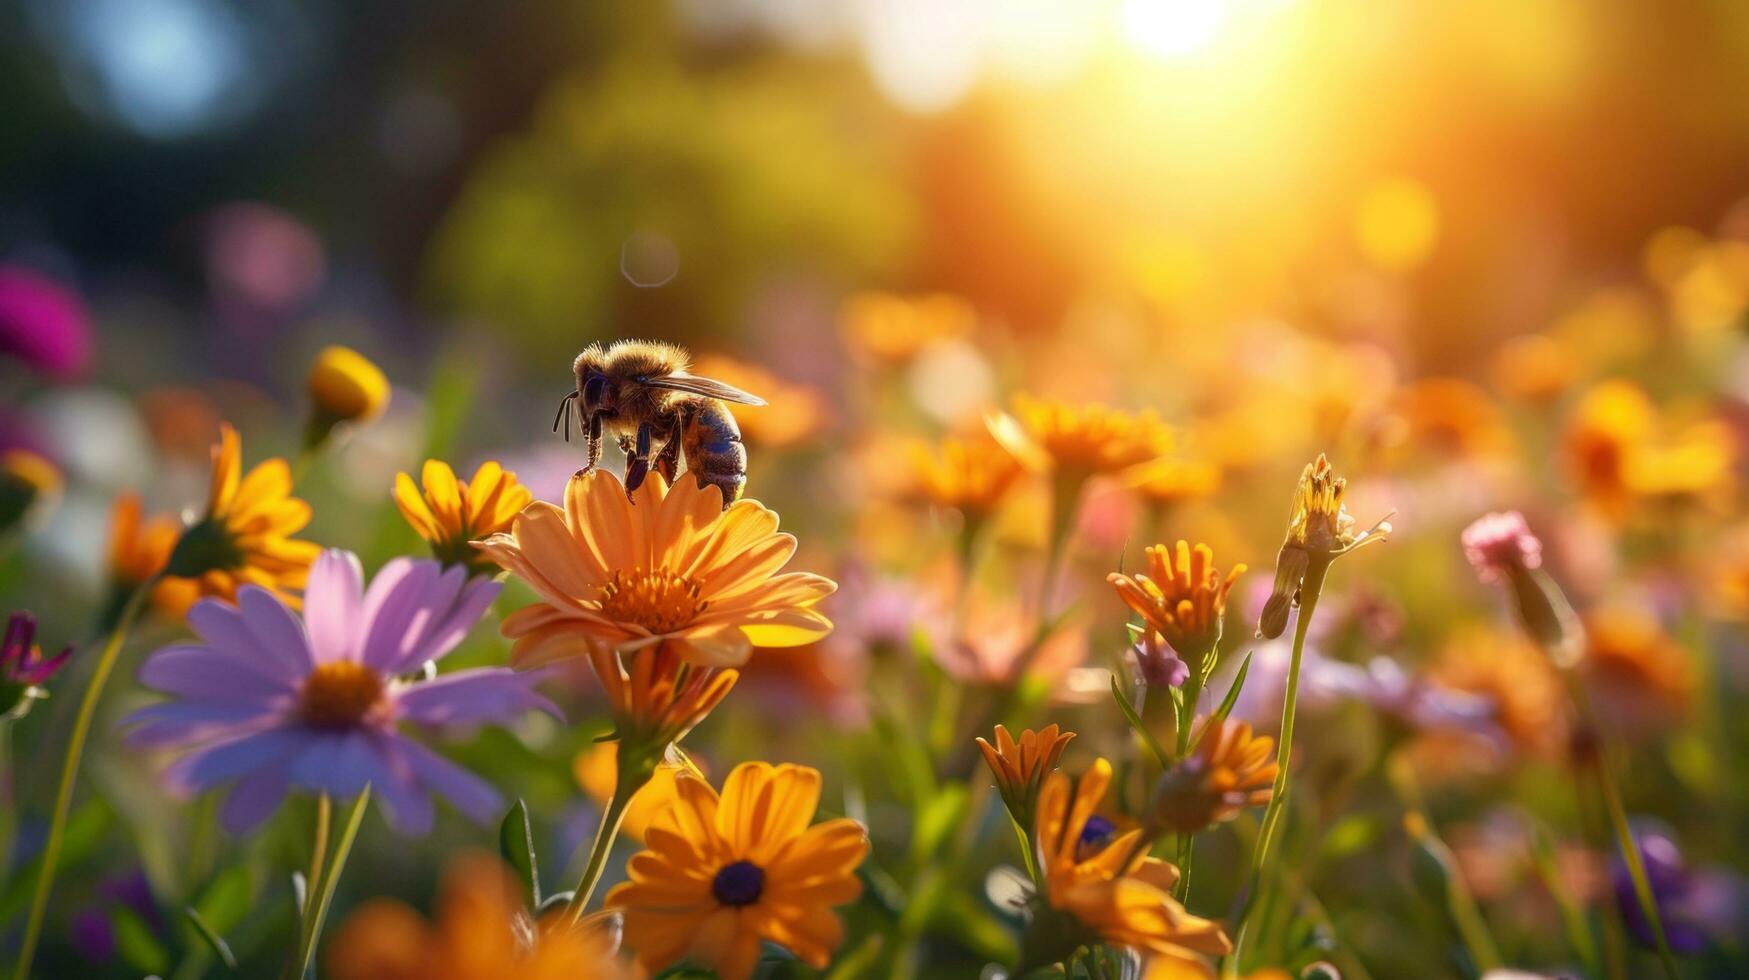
659, 601
339, 693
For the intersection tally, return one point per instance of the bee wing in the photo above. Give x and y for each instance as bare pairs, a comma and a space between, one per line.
705, 387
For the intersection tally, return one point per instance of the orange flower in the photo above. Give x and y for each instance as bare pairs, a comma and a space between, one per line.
1020, 767
1619, 448
481, 933
1050, 435
140, 547
969, 475
668, 568
1529, 700
1182, 597
1229, 770
654, 697
892, 328
1642, 671
723, 875
1174, 481
245, 536
792, 413
451, 514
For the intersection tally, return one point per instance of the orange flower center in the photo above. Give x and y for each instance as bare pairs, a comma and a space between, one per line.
659, 601
339, 693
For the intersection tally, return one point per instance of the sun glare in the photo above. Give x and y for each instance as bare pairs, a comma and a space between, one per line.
1174, 28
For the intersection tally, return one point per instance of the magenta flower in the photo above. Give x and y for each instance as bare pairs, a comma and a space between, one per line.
22, 665
274, 702
1497, 543
43, 323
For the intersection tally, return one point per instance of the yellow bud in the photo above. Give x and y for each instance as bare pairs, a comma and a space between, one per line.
26, 481
346, 387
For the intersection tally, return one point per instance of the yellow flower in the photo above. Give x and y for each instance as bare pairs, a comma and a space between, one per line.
481, 933
669, 569
1182, 597
721, 876
139, 548
1619, 449
27, 482
1174, 481
450, 514
1229, 770
245, 536
1182, 968
1116, 894
345, 386
970, 475
792, 413
887, 327
1052, 435
597, 772
1319, 530
1020, 767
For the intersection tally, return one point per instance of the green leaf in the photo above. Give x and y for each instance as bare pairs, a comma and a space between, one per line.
85, 830
937, 819
859, 962
1232, 697
213, 939
227, 898
1350, 835
1135, 720
516, 844
136, 944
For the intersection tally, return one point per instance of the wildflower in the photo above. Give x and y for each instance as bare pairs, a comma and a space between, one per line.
654, 697
451, 514
669, 570
1513, 675
316, 703
893, 328
970, 475
139, 548
1502, 549
1229, 769
1183, 598
1534, 367
1080, 439
1698, 906
1020, 767
723, 875
1320, 530
481, 933
43, 323
1641, 670
1619, 450
23, 668
344, 386
1451, 416
1496, 544
245, 536
792, 414
1113, 893
998, 643
29, 483
1170, 481
596, 770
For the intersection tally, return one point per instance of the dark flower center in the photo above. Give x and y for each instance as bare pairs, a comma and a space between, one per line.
1096, 832
739, 884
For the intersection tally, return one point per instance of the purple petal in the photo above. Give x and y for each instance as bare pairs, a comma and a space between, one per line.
454, 621
395, 610
470, 794
279, 634
226, 630
334, 606
254, 798
474, 697
183, 722
205, 674
339, 763
406, 804
226, 760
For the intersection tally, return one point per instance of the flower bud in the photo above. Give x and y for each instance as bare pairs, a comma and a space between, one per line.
27, 483
344, 386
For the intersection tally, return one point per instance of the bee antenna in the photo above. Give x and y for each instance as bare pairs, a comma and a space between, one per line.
564, 415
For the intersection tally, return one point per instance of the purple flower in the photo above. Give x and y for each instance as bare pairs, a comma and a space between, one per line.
275, 702
22, 664
43, 323
1158, 664
1696, 904
1410, 700
1497, 543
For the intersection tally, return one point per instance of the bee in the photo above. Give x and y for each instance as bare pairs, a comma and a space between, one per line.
640, 393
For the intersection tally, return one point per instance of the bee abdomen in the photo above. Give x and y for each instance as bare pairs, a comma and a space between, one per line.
714, 453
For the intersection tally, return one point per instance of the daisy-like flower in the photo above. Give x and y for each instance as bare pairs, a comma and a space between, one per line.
274, 702
1319, 531
1230, 769
723, 875
451, 514
139, 548
23, 668
668, 570
481, 933
1082, 439
1182, 597
970, 475
1113, 893
245, 536
1020, 766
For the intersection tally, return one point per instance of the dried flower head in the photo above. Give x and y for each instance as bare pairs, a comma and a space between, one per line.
1182, 597
1020, 766
1319, 531
1229, 770
452, 514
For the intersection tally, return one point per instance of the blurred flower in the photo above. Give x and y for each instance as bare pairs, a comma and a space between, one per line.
1116, 894
796, 684
23, 668
1697, 906
451, 514
43, 323
1413, 701
1727, 575
1228, 770
1174, 968
792, 413
1446, 416
1182, 597
481, 933
889, 327
728, 874
1495, 544
1020, 767
999, 643
1170, 481
1320, 530
1396, 224
655, 698
29, 485
180, 420
1618, 448
597, 772
1158, 666
1083, 439
344, 386
666, 568
1642, 673
1502, 549
245, 536
1534, 367
316, 703
261, 262
1529, 700
139, 548
970, 475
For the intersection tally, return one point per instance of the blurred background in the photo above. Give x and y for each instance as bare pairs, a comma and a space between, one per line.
1469, 249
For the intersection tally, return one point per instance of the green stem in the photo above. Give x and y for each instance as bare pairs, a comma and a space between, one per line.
1630, 849
320, 898
1026, 855
1310, 588
318, 854
605, 834
45, 881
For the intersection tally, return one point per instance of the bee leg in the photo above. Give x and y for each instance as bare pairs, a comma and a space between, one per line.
668, 460
593, 437
638, 459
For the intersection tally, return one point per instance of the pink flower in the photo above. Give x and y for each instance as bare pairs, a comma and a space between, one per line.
43, 323
274, 702
1497, 543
